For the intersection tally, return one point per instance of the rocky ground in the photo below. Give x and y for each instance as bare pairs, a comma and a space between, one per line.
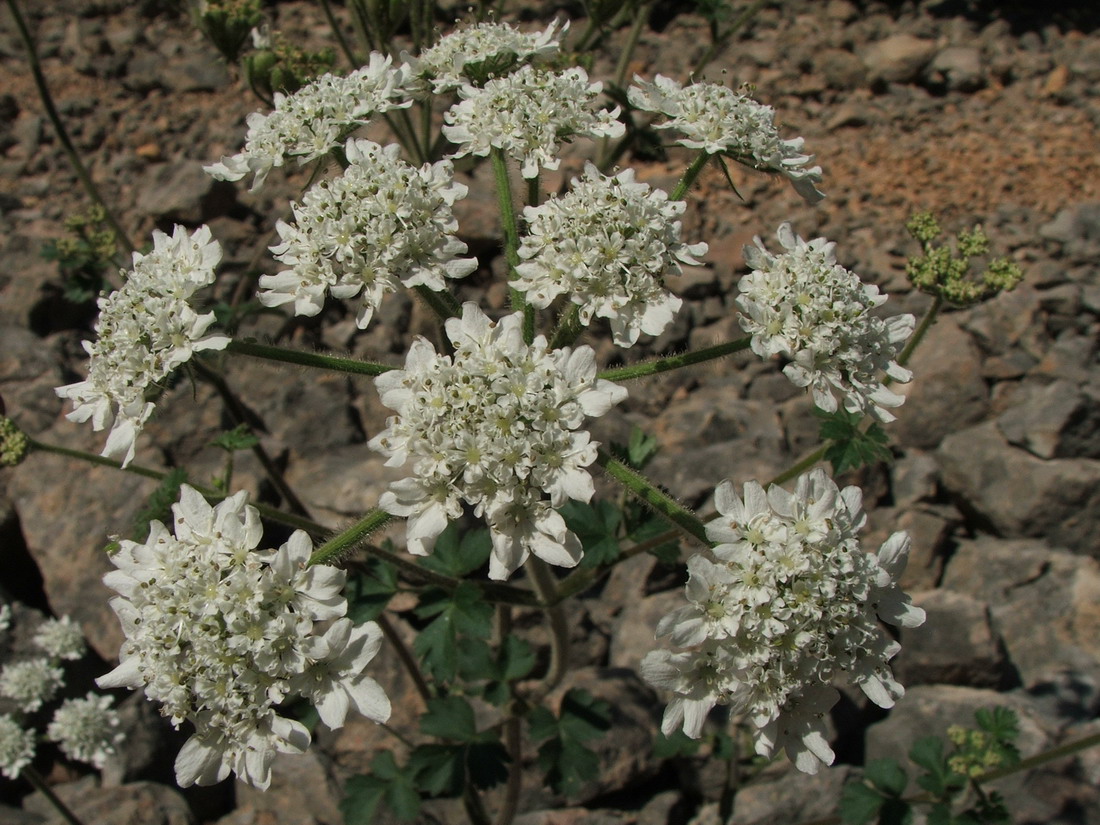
987, 113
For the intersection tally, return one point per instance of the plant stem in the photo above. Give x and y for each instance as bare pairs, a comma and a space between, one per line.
36, 779
66, 143
641, 17
442, 304
513, 743
306, 359
240, 415
800, 467
569, 328
405, 655
545, 585
675, 362
723, 39
511, 240
690, 174
347, 540
344, 47
919, 332
660, 501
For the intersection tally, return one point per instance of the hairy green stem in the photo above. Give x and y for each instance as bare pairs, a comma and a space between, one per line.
306, 359
39, 782
350, 538
690, 174
443, 304
675, 362
545, 585
569, 328
511, 239
656, 498
641, 17
62, 134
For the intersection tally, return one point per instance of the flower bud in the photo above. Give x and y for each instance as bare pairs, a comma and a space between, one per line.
13, 442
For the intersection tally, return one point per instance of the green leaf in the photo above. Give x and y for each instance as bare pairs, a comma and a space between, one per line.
667, 553
239, 438
487, 763
928, 754
887, 775
387, 783
370, 592
859, 803
462, 611
1002, 722
449, 717
596, 527
516, 658
439, 769
641, 449
723, 745
458, 557
679, 744
848, 446
568, 763
583, 717
939, 814
895, 812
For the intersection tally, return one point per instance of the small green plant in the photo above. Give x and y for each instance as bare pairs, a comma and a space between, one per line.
951, 778
85, 255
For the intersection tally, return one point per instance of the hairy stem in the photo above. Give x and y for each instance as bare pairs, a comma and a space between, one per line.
918, 334
656, 498
675, 362
511, 239
306, 359
690, 174
344, 47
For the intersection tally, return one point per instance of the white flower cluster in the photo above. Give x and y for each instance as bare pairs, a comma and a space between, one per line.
494, 426
87, 730
316, 119
381, 223
60, 638
473, 53
805, 306
718, 120
527, 114
790, 604
16, 747
608, 243
31, 682
220, 633
146, 329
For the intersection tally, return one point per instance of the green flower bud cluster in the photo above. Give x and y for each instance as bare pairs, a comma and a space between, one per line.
285, 68
13, 443
228, 23
945, 273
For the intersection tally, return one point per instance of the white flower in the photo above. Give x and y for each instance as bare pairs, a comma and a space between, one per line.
805, 306
220, 633
608, 244
87, 730
60, 638
473, 53
495, 426
146, 329
316, 119
335, 680
380, 224
718, 120
31, 682
791, 604
527, 114
16, 747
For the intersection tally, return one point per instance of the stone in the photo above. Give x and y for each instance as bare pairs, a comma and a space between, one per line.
147, 803
1075, 229
635, 631
840, 69
898, 59
913, 478
793, 797
955, 646
956, 69
1044, 603
948, 391
182, 192
1013, 493
1060, 420
303, 791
